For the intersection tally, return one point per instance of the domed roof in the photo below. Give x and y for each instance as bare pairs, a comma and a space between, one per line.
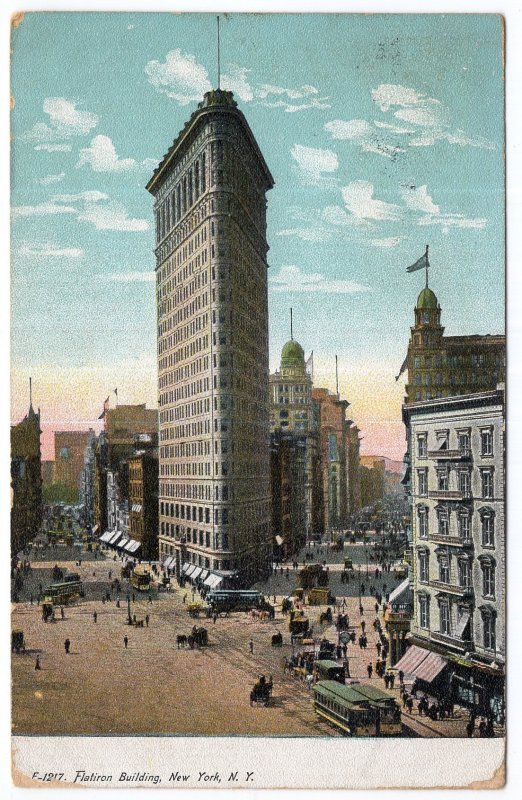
427, 299
292, 354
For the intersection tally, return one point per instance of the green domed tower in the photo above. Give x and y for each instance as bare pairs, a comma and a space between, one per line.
292, 359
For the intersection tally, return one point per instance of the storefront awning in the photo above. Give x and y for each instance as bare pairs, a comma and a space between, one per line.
411, 659
114, 537
213, 580
105, 537
123, 542
132, 546
185, 567
197, 572
430, 667
168, 561
190, 570
462, 624
136, 507
204, 574
399, 590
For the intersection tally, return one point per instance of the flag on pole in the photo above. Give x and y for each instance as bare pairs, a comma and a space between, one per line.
116, 392
403, 367
309, 365
421, 263
105, 409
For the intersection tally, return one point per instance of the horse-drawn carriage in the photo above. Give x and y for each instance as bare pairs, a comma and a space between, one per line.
326, 617
17, 641
299, 625
261, 692
198, 637
277, 639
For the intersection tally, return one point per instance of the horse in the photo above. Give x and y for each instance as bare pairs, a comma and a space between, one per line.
181, 640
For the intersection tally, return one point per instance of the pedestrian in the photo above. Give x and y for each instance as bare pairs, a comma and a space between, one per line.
363, 626
361, 609
125, 641
214, 617
117, 603
31, 600
95, 616
378, 645
482, 728
147, 618
370, 670
133, 597
37, 665
150, 599
392, 680
470, 727
251, 645
376, 608
345, 649
401, 676
67, 645
185, 598
62, 612
404, 699
409, 704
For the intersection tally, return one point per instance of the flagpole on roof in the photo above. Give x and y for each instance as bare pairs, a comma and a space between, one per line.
427, 265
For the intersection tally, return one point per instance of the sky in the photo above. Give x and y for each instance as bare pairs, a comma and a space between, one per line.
383, 134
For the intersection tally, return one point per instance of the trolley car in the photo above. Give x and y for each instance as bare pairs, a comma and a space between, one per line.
388, 710
60, 594
140, 578
345, 709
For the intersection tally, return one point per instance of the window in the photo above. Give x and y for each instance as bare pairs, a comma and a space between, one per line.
422, 514
463, 439
443, 518
486, 476
424, 611
422, 478
488, 530
444, 614
464, 483
465, 573
464, 526
444, 569
488, 579
422, 446
489, 629
442, 480
424, 566
486, 442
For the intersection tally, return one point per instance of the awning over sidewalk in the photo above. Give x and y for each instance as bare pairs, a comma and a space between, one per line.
399, 590
185, 567
197, 572
132, 545
213, 581
114, 537
123, 542
190, 570
204, 574
105, 537
411, 659
432, 666
169, 561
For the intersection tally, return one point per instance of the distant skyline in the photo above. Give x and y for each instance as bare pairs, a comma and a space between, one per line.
383, 134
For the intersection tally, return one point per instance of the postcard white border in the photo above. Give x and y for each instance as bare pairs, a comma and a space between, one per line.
359, 764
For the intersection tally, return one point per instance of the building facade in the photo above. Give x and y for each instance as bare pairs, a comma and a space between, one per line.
87, 480
212, 307
292, 432
143, 500
26, 481
445, 366
457, 452
69, 455
332, 491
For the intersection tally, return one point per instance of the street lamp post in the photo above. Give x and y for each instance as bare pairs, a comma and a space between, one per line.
129, 615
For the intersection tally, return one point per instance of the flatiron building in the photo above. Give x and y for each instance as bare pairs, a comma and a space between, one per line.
212, 316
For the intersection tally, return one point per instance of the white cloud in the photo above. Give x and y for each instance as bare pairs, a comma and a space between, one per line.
42, 210
179, 77
453, 221
236, 81
418, 199
54, 148
359, 200
131, 277
292, 279
93, 207
65, 120
312, 162
307, 234
183, 79
111, 216
49, 251
351, 129
392, 128
51, 179
366, 135
101, 156
389, 241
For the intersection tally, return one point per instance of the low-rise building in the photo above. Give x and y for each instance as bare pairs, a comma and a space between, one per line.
456, 478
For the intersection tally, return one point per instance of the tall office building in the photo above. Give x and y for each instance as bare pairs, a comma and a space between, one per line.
211, 288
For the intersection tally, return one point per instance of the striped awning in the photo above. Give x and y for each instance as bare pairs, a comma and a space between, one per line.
136, 507
197, 572
213, 580
411, 659
123, 542
430, 667
204, 574
105, 537
185, 567
114, 537
132, 546
190, 570
168, 561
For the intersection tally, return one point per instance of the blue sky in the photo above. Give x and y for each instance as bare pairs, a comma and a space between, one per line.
383, 134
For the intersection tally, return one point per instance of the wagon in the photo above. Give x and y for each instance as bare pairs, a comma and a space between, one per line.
17, 641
